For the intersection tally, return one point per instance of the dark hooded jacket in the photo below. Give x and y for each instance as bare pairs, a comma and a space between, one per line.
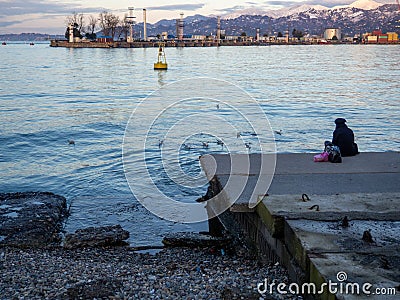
343, 137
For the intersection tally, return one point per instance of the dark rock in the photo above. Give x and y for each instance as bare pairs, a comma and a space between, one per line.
367, 237
345, 222
194, 240
96, 289
97, 237
31, 219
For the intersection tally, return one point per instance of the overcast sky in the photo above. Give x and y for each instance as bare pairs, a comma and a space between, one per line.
48, 16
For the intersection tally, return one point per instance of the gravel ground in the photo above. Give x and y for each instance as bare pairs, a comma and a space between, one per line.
121, 273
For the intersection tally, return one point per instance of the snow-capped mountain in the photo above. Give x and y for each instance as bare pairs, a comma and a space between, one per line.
361, 4
244, 12
307, 19
283, 12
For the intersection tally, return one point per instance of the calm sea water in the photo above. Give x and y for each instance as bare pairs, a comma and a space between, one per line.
49, 96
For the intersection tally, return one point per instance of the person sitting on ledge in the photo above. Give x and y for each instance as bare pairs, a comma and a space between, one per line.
343, 137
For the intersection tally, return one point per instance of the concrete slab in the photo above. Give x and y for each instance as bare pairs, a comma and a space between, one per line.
362, 206
369, 162
331, 183
305, 239
323, 237
364, 188
298, 174
299, 163
238, 164
320, 244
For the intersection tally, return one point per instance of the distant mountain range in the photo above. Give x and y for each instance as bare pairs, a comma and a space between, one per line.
284, 12
359, 17
30, 37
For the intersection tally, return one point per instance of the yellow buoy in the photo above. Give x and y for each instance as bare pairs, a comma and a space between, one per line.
161, 63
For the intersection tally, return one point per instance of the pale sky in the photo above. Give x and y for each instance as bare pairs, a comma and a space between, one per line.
48, 16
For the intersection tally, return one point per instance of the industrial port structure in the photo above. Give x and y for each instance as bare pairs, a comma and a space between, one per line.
331, 35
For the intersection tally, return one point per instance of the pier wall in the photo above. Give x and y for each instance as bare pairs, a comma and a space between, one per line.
143, 44
348, 221
154, 44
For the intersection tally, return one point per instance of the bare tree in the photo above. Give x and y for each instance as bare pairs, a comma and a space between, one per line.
108, 23
103, 23
113, 22
78, 19
92, 24
124, 28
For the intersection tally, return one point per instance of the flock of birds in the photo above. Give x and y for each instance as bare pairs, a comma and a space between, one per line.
205, 145
187, 146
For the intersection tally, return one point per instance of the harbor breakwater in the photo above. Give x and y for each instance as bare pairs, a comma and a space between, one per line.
155, 44
122, 44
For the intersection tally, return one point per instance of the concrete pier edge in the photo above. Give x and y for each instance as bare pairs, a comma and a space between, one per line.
316, 244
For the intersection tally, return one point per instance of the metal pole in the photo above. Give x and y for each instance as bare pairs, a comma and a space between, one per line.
144, 25
218, 29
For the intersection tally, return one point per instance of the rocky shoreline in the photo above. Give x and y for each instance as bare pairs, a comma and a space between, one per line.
121, 273
96, 263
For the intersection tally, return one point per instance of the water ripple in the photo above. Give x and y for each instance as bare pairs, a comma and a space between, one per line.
50, 96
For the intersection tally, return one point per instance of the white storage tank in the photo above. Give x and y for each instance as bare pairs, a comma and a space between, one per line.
331, 33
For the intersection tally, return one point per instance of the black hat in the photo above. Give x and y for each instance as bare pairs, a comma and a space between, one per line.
340, 121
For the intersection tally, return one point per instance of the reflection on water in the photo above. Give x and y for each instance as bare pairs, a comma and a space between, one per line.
51, 95
161, 77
